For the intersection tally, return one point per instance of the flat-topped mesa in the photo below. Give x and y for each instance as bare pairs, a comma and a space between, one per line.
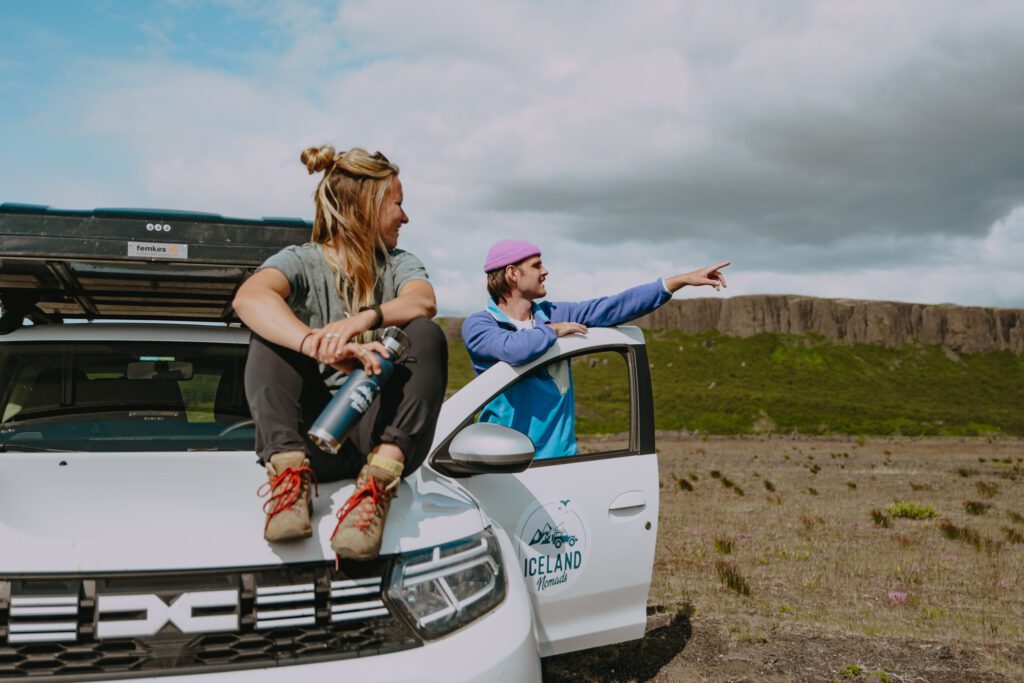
968, 329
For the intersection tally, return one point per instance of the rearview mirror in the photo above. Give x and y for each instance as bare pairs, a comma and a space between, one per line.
159, 369
484, 447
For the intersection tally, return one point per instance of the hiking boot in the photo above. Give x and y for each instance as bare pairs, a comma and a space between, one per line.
289, 505
361, 519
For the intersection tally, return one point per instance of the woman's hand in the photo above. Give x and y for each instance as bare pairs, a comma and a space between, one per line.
696, 278
326, 343
352, 354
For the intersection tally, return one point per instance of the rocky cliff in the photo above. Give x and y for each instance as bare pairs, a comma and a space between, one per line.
966, 329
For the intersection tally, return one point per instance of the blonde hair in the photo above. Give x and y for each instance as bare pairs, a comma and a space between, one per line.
348, 200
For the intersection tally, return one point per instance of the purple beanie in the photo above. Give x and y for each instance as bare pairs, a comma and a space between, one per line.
507, 252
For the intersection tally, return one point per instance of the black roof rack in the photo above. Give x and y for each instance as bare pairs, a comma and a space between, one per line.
130, 263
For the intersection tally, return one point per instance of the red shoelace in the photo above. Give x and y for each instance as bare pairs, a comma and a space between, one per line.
370, 489
286, 488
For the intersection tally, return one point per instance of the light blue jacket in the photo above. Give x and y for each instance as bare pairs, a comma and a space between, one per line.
541, 404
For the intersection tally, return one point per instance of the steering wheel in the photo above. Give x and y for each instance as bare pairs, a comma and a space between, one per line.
238, 425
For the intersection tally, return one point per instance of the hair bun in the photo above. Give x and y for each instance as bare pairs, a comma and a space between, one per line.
317, 159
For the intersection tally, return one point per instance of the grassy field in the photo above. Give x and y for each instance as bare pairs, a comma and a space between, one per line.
784, 383
831, 559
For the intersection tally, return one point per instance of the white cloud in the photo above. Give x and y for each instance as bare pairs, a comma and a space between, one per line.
842, 149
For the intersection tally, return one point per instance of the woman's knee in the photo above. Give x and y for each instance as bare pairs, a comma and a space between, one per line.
427, 340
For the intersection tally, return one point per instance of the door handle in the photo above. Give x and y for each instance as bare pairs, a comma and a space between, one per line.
628, 504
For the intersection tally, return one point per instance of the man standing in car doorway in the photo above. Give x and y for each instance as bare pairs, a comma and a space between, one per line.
517, 328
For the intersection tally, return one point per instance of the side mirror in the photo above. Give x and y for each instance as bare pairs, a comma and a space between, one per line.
484, 447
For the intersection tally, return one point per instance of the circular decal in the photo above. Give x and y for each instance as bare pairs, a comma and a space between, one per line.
553, 543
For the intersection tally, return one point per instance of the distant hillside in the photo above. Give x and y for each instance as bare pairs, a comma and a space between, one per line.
888, 323
968, 329
754, 364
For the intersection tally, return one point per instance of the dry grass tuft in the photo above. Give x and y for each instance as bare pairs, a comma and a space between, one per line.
969, 536
724, 546
976, 507
920, 487
1012, 535
768, 486
730, 576
812, 491
1015, 517
880, 518
906, 541
852, 486
966, 472
683, 484
986, 489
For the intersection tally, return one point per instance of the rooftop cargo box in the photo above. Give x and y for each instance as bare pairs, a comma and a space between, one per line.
130, 263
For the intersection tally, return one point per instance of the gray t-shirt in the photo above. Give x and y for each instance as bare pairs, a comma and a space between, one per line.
314, 297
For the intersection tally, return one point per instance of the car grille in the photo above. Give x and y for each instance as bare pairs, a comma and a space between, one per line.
148, 624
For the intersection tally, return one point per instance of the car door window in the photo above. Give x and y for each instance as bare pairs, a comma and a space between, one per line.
570, 407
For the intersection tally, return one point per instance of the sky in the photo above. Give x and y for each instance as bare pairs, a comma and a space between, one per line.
863, 150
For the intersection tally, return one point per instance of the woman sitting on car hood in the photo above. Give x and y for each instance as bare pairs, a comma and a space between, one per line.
313, 310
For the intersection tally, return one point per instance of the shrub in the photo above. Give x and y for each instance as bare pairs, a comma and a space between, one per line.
683, 484
850, 671
909, 510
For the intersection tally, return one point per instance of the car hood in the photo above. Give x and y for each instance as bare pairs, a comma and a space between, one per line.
102, 512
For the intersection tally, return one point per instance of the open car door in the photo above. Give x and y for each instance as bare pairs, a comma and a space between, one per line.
584, 526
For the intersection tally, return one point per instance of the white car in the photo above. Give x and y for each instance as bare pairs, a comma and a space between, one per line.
130, 531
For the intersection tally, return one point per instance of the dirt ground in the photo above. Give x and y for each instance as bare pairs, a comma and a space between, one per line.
787, 559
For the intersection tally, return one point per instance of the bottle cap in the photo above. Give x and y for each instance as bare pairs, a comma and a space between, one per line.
395, 340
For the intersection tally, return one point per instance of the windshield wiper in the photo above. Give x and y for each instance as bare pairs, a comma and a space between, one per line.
21, 447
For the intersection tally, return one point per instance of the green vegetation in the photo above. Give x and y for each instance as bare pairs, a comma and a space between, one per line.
785, 383
909, 510
724, 546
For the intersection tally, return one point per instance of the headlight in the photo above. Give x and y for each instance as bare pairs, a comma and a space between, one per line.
444, 588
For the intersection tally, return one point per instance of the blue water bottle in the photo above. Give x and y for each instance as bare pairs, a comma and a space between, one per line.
354, 397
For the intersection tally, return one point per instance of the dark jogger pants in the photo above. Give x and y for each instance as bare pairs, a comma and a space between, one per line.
286, 394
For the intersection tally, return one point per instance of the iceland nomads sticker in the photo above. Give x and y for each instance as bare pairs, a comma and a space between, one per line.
553, 546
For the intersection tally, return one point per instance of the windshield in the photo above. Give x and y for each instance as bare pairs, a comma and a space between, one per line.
123, 396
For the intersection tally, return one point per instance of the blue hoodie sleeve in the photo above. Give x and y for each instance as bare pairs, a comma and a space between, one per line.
485, 341
612, 310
